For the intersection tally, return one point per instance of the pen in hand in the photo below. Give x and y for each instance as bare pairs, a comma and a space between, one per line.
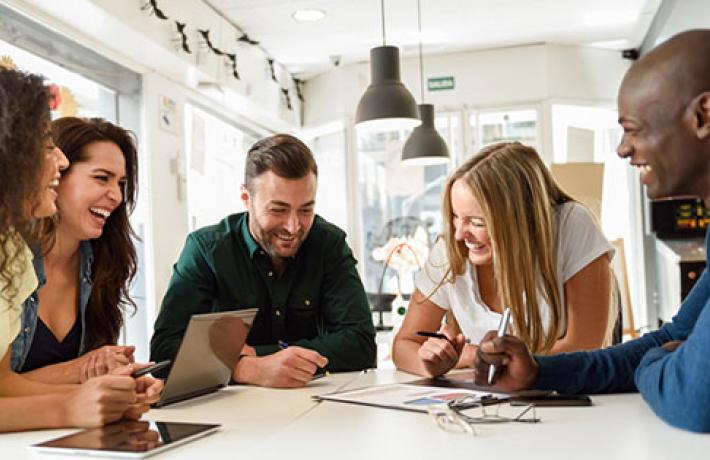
320, 372
150, 369
502, 328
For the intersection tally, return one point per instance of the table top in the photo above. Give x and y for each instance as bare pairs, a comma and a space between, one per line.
289, 424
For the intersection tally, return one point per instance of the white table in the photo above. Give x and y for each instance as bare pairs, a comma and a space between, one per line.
263, 423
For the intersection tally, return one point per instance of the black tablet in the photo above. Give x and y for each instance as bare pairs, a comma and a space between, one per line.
552, 400
126, 439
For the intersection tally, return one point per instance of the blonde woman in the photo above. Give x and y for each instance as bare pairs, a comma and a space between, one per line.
513, 239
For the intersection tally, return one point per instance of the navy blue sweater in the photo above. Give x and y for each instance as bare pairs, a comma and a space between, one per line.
675, 384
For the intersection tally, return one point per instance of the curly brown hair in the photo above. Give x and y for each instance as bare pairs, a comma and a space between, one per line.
115, 260
24, 119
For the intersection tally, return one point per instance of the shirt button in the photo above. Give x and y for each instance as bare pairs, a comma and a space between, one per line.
261, 253
307, 302
270, 273
278, 313
27, 330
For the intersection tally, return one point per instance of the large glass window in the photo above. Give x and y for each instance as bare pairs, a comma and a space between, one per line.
396, 199
487, 127
80, 96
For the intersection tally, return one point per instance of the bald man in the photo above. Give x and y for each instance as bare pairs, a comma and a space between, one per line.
664, 109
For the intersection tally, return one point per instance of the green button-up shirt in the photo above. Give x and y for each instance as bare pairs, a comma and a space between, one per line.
318, 301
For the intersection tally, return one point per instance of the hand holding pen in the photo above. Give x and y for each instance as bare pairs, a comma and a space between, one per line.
513, 364
502, 330
441, 351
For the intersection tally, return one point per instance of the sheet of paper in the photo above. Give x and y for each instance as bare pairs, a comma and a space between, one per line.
405, 396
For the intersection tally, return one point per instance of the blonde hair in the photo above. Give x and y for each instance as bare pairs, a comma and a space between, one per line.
517, 195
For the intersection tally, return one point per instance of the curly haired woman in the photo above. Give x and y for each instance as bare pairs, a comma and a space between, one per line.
30, 167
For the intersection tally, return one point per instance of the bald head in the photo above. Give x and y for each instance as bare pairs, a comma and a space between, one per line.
677, 70
664, 108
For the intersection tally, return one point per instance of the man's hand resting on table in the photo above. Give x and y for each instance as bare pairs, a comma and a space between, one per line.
290, 368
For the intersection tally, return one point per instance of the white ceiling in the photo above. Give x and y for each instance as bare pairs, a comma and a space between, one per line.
352, 27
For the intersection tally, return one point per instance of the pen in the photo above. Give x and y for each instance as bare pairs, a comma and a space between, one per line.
502, 328
436, 335
282, 345
150, 369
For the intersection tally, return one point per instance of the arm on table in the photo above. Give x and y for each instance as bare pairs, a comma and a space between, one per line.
25, 404
676, 384
91, 364
612, 370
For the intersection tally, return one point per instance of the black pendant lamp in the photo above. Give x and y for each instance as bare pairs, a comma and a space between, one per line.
386, 101
424, 146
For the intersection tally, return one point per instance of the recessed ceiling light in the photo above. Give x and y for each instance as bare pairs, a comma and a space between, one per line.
308, 15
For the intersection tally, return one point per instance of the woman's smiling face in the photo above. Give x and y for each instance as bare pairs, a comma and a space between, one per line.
91, 190
54, 162
470, 224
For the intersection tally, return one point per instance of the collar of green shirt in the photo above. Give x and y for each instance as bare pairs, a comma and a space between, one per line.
252, 245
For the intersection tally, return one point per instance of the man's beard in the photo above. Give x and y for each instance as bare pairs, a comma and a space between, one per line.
264, 238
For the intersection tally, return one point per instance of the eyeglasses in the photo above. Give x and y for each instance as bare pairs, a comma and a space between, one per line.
450, 417
449, 420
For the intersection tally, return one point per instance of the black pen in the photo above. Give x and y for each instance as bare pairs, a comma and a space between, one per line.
436, 335
150, 369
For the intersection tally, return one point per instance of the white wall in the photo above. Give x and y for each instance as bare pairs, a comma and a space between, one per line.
682, 15
490, 78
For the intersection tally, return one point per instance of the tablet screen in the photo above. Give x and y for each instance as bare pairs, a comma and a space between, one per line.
128, 438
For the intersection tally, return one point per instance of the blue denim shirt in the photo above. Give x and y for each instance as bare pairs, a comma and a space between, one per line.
23, 342
675, 384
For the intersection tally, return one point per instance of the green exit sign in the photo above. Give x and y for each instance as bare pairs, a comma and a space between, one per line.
440, 83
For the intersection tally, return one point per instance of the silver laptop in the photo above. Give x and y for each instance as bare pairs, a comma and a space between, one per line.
208, 353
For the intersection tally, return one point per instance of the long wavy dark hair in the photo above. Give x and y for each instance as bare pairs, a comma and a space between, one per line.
24, 119
115, 260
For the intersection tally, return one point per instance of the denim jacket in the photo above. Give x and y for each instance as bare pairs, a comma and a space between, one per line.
23, 342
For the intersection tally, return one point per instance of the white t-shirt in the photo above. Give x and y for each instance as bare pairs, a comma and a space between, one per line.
579, 242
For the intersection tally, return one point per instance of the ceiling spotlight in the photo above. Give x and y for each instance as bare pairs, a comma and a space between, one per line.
308, 15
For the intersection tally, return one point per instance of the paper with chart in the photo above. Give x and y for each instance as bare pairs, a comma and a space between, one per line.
406, 397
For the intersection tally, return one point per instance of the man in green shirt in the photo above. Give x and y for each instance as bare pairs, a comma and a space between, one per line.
281, 258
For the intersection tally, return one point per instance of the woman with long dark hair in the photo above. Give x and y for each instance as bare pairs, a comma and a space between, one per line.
85, 261
30, 165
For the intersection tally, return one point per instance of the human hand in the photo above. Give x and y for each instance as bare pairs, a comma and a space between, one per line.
99, 401
672, 345
292, 367
439, 356
248, 350
103, 360
515, 367
147, 390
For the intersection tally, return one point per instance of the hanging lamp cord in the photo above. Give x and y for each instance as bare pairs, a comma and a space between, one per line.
384, 37
421, 58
